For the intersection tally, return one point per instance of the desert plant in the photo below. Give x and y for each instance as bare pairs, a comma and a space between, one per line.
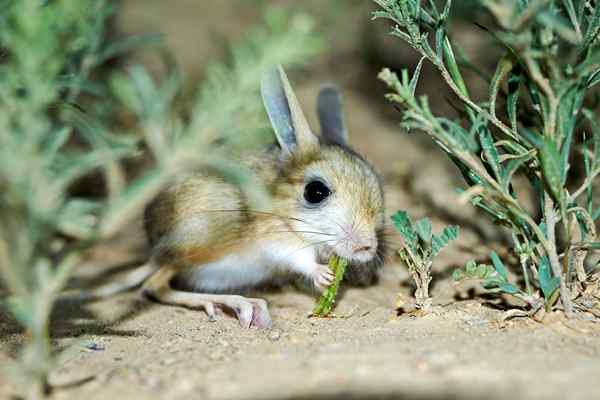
48, 143
421, 246
495, 278
537, 121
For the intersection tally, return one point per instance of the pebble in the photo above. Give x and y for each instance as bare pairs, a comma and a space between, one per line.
274, 335
93, 346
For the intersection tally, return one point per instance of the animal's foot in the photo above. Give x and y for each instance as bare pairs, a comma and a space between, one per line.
250, 312
323, 277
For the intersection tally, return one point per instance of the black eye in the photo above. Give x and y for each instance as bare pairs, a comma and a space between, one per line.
315, 192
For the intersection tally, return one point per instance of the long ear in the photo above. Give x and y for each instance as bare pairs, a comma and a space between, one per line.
285, 114
329, 108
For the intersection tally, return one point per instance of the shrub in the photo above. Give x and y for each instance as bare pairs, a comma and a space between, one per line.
537, 121
50, 52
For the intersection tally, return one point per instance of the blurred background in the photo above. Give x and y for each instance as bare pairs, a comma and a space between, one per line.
352, 49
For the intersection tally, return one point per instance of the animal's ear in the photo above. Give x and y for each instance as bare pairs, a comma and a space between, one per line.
331, 118
285, 114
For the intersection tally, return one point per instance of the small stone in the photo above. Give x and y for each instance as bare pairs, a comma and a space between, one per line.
93, 346
274, 335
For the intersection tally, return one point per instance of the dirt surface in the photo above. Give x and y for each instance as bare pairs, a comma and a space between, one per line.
130, 348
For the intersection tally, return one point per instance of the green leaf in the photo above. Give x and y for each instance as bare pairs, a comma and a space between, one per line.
551, 168
490, 151
505, 65
458, 275
484, 271
471, 269
438, 242
415, 78
508, 288
511, 168
423, 228
404, 226
596, 214
499, 266
128, 44
453, 67
592, 30
548, 283
135, 197
514, 84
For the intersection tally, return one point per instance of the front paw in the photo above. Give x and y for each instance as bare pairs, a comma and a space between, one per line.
323, 277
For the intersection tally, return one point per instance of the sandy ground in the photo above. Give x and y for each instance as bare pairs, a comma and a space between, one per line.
130, 348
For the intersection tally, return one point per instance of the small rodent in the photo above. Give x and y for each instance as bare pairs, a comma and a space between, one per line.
208, 244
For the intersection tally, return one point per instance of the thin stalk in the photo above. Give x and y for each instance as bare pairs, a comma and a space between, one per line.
589, 180
551, 220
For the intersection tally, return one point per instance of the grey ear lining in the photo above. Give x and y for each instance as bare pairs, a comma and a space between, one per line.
331, 118
285, 113
278, 109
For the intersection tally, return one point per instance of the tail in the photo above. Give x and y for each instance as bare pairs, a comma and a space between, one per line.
125, 283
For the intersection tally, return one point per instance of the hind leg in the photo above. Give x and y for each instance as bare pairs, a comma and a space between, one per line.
250, 312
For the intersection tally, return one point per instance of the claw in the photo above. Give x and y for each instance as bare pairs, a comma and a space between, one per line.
244, 314
323, 277
209, 308
260, 315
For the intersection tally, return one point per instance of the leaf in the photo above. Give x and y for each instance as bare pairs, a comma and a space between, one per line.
438, 242
592, 30
505, 65
134, 198
128, 44
490, 151
508, 288
591, 117
499, 266
514, 84
551, 168
548, 283
404, 226
453, 67
415, 78
423, 228
458, 275
511, 168
484, 271
471, 269
596, 214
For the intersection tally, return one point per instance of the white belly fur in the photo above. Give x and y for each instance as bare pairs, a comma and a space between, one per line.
250, 267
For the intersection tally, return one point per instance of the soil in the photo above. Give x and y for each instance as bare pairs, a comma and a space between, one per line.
129, 348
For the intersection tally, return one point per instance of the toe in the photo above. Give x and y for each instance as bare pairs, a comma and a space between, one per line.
261, 318
243, 310
209, 308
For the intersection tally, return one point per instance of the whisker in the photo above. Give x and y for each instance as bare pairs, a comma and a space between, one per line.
241, 240
303, 248
240, 210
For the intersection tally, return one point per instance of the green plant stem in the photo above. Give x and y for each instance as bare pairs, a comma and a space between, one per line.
327, 300
551, 220
523, 261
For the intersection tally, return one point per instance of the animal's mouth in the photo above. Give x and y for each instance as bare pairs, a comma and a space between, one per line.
357, 255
